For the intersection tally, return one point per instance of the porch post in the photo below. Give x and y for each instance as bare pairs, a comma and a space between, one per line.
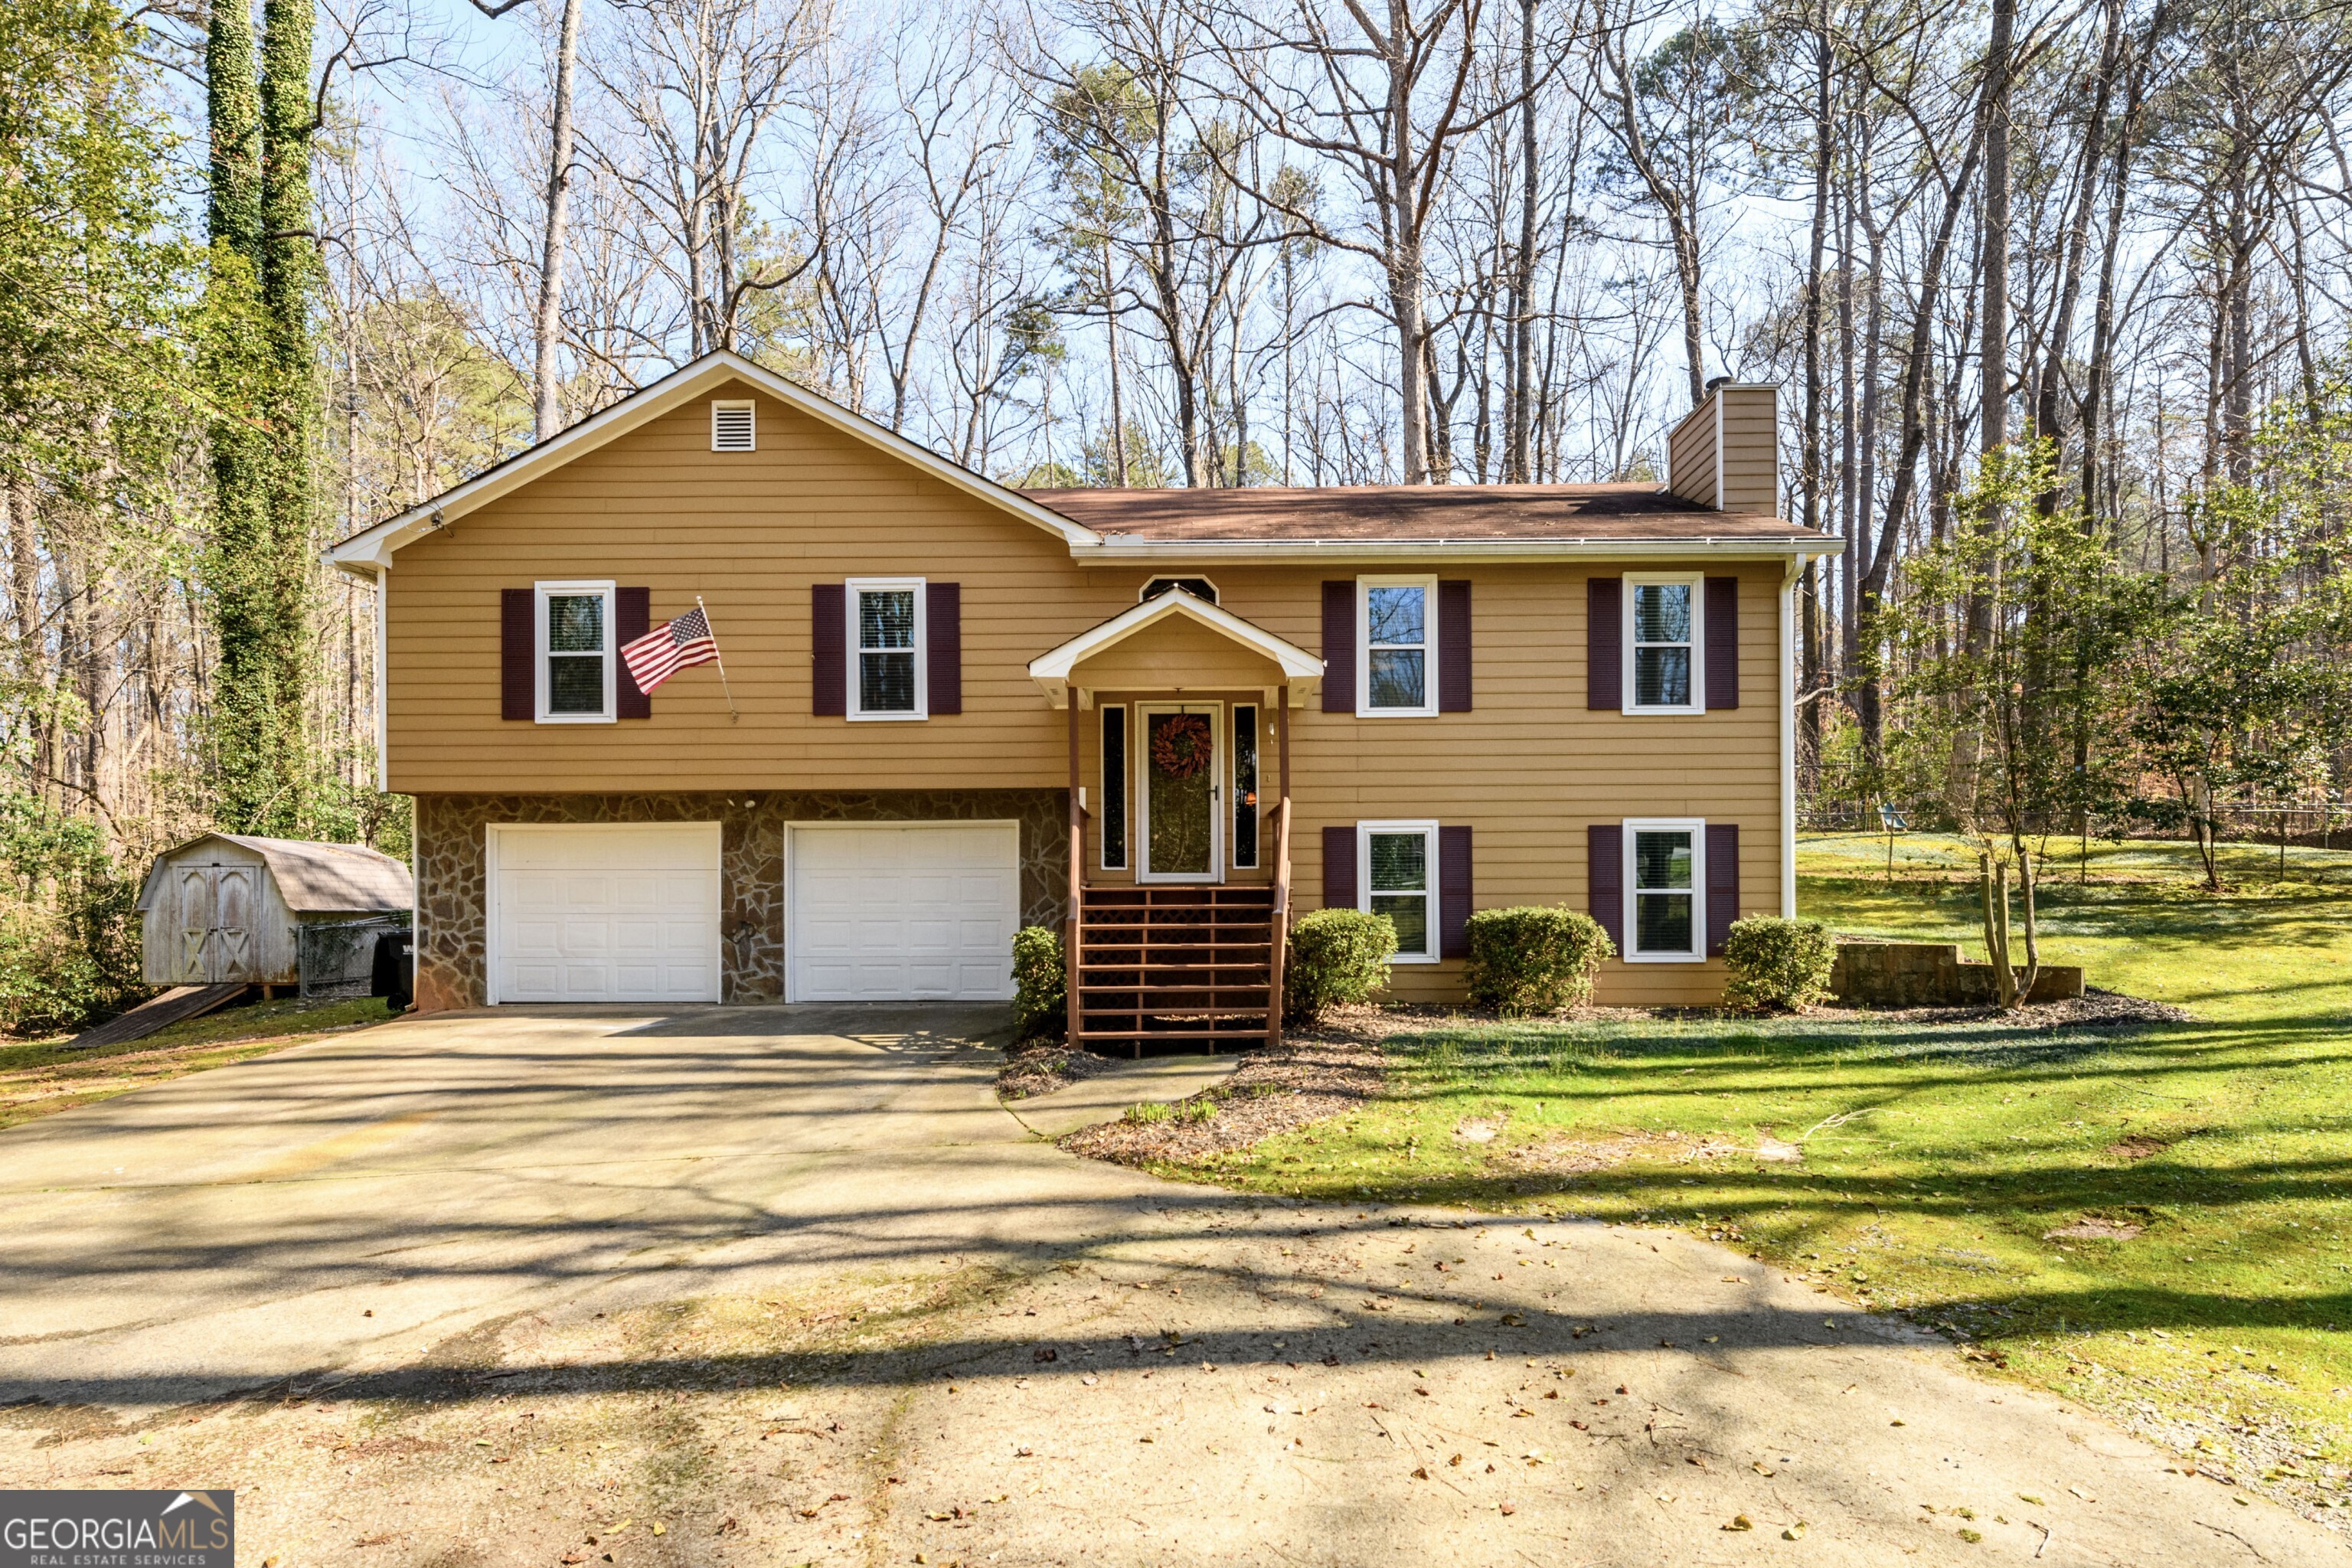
1070, 921
1279, 930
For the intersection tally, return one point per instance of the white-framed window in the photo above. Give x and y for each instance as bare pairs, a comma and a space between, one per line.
1398, 862
1396, 647
1245, 807
573, 641
1666, 890
1113, 817
887, 652
733, 428
1664, 623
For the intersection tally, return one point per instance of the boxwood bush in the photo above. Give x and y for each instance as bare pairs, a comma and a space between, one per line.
1336, 956
1778, 964
1534, 960
1040, 989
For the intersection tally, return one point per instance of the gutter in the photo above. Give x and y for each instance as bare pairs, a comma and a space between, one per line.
1135, 547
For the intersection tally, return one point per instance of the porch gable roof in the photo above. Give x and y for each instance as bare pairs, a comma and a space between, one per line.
1051, 670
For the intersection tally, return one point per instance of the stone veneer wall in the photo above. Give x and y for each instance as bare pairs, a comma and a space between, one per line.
451, 890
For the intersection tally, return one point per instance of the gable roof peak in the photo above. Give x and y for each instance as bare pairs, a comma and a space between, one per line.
370, 550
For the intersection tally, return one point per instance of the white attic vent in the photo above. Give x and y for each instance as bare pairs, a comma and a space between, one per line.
730, 427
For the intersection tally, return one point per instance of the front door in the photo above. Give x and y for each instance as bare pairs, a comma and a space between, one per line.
1183, 767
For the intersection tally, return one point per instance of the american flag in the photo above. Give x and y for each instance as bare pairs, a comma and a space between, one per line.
670, 648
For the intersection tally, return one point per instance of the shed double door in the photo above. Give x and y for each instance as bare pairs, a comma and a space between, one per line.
216, 905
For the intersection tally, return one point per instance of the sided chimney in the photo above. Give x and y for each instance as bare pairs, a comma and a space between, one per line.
1726, 454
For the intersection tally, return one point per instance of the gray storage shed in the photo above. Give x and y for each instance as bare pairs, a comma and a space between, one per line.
269, 911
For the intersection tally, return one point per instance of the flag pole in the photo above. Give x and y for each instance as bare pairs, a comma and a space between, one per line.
733, 716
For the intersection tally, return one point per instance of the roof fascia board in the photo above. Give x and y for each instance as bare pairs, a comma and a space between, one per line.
370, 550
1055, 664
1705, 547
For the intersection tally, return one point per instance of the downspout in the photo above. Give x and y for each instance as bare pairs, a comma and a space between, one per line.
1796, 564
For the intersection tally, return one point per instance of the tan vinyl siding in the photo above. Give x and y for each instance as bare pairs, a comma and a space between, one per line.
1528, 769
1751, 460
1690, 456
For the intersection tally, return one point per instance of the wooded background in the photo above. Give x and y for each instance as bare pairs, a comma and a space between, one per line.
2055, 293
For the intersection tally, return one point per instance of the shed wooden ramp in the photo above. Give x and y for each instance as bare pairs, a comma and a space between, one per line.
176, 1006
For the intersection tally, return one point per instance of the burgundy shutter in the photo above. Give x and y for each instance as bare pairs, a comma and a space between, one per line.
1339, 651
1340, 867
1605, 879
1453, 647
633, 617
1604, 643
1453, 892
1722, 643
1722, 883
828, 651
518, 688
943, 618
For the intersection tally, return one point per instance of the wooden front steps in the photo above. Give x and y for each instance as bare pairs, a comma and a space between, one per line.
1184, 966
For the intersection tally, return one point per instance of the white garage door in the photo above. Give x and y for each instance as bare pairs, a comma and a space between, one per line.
915, 911
607, 914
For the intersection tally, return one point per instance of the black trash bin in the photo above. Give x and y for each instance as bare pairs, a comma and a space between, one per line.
393, 977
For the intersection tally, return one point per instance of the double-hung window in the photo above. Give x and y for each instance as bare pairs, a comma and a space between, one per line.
1665, 879
1399, 880
1663, 627
887, 678
573, 636
1396, 654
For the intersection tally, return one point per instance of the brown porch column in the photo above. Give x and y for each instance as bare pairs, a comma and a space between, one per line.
1070, 926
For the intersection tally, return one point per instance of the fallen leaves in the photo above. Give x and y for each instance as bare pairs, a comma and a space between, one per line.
1739, 1521
1795, 1533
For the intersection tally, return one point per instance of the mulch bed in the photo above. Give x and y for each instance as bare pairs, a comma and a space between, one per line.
2095, 1009
1337, 1069
1040, 1067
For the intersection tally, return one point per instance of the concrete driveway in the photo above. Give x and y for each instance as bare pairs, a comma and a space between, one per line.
789, 1285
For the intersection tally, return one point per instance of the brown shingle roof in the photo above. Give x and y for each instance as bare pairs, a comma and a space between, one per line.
1634, 511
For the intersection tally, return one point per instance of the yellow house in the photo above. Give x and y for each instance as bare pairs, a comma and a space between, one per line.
1163, 721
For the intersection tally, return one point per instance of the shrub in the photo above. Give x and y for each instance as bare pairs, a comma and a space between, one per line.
1040, 991
1336, 956
68, 922
1534, 960
1778, 964
1144, 1112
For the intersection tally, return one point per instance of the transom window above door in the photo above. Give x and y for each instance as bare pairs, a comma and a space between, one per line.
1662, 672
1400, 862
573, 678
1395, 658
886, 633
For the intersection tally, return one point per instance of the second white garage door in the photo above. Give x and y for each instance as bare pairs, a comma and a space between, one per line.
904, 912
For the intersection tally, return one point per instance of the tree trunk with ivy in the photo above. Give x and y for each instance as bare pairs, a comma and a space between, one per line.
258, 566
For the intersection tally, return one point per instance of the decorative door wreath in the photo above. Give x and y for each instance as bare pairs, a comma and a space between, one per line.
1181, 745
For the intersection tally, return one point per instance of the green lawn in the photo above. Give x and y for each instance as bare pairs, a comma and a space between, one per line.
1936, 1160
